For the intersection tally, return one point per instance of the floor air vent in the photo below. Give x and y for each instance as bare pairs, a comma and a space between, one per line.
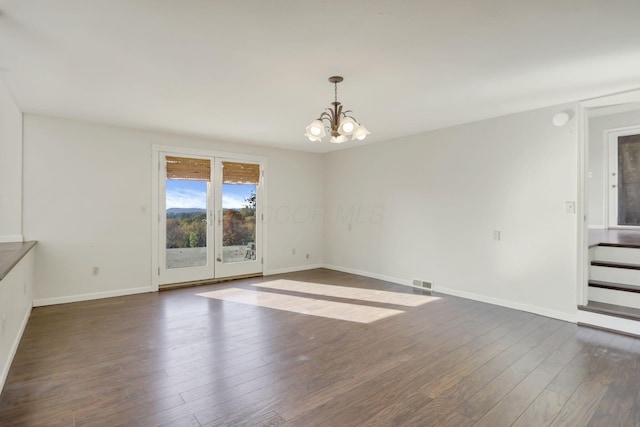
422, 284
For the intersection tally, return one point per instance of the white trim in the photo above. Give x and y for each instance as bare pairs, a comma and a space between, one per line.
597, 227
509, 304
582, 234
14, 349
12, 239
396, 280
155, 226
292, 269
93, 296
604, 180
205, 153
614, 109
609, 322
624, 97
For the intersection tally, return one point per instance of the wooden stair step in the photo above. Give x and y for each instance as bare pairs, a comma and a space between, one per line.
612, 264
614, 286
620, 245
611, 310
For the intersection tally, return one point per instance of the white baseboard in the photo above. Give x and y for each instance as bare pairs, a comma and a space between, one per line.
368, 274
567, 317
292, 269
87, 297
597, 227
12, 239
14, 349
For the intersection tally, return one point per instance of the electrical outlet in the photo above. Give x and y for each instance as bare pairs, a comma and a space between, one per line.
293, 251
496, 235
94, 271
308, 256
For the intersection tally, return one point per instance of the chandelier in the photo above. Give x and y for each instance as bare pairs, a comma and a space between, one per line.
341, 123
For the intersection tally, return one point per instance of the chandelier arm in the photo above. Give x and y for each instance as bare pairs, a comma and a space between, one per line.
344, 114
328, 116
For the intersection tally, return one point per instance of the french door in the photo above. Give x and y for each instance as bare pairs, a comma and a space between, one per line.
623, 180
208, 224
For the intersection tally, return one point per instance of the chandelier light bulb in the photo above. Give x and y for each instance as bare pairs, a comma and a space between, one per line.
360, 133
316, 127
347, 126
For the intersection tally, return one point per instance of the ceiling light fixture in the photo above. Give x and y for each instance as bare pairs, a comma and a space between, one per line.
340, 122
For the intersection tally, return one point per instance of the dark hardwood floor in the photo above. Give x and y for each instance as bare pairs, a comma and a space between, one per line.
271, 351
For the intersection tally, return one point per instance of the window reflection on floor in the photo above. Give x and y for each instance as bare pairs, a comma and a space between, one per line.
314, 306
363, 294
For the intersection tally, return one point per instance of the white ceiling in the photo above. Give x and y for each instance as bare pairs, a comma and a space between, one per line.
256, 70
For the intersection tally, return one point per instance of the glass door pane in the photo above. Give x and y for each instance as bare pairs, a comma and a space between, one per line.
238, 222
238, 251
187, 231
186, 226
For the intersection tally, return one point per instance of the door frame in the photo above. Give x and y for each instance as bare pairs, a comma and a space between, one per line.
156, 149
626, 97
611, 147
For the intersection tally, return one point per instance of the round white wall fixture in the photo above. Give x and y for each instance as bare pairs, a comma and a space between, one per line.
561, 119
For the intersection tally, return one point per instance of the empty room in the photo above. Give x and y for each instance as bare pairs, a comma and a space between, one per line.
296, 213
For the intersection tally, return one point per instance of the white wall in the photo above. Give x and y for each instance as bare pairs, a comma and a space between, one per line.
10, 168
426, 207
87, 196
16, 293
597, 158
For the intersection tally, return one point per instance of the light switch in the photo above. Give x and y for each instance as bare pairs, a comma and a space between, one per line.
570, 207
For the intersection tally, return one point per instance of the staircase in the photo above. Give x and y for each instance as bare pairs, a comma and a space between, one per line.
614, 288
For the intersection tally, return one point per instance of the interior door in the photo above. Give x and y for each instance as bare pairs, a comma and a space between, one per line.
186, 218
624, 178
238, 213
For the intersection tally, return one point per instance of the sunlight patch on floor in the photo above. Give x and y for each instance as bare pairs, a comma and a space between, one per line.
362, 294
310, 306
